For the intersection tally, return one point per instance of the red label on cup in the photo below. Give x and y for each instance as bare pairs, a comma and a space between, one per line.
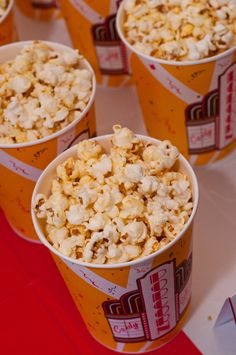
155, 307
210, 122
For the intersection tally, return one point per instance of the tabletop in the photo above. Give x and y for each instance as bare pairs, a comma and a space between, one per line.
38, 315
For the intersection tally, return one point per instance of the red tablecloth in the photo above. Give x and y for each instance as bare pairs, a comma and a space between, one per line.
38, 315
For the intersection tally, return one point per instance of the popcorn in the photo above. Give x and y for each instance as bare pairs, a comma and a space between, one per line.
123, 137
134, 233
97, 222
42, 91
69, 246
132, 206
103, 167
180, 29
160, 157
104, 202
150, 246
57, 236
19, 84
112, 208
3, 6
77, 215
93, 247
89, 149
133, 172
157, 221
40, 205
148, 185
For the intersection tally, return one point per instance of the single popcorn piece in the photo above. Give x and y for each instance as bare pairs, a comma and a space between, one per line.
123, 137
160, 157
180, 30
134, 172
77, 215
3, 7
148, 185
97, 222
132, 206
42, 91
134, 233
117, 206
19, 84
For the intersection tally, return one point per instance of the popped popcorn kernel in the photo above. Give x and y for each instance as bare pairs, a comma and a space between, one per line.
42, 91
3, 7
180, 30
116, 206
123, 137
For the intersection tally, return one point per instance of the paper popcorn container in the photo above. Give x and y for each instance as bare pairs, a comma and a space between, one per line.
92, 28
22, 163
43, 10
191, 103
7, 31
135, 306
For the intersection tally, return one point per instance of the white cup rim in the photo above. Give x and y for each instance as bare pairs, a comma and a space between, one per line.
54, 45
164, 61
70, 152
8, 10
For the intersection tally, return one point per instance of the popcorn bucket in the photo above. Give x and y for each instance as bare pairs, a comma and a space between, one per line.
43, 10
22, 163
7, 31
191, 103
92, 26
135, 306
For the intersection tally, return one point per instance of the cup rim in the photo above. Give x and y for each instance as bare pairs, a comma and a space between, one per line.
69, 152
54, 45
182, 63
8, 10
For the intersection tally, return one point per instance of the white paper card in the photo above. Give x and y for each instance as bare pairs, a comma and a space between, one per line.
228, 312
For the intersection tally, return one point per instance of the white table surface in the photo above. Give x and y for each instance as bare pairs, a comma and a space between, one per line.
214, 261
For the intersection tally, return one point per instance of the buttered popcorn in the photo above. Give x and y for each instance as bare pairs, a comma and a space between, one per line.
41, 91
119, 206
3, 7
180, 29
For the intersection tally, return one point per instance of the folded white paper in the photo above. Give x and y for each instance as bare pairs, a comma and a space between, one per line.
228, 312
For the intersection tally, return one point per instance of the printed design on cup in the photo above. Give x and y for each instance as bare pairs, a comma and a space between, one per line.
201, 120
155, 307
226, 132
183, 283
211, 122
136, 272
111, 53
87, 11
45, 4
168, 81
19, 167
96, 281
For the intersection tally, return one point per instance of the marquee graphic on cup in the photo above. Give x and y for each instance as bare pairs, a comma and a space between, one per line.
211, 123
111, 52
44, 4
155, 307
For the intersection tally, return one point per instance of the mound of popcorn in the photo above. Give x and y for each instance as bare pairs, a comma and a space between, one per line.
41, 91
180, 29
119, 206
3, 6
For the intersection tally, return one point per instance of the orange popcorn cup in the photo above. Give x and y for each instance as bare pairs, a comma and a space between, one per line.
135, 306
43, 10
22, 163
7, 31
92, 28
191, 103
